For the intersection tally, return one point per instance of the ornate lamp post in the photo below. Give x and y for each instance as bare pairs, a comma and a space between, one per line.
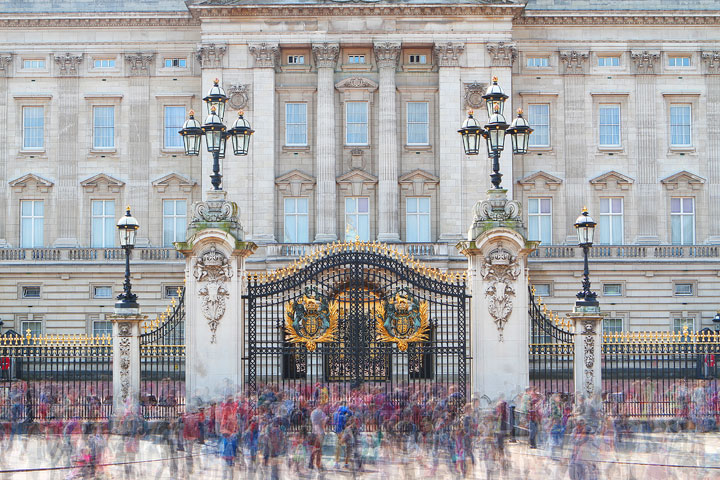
215, 132
585, 227
716, 321
495, 131
127, 227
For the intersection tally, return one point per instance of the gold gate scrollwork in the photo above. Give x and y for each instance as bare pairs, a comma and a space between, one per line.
311, 320
402, 320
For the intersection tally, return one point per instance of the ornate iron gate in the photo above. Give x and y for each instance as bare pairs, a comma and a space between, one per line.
356, 316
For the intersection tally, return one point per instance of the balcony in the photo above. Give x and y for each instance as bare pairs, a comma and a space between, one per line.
73, 255
629, 252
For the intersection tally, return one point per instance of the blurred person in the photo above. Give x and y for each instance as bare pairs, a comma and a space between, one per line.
317, 419
340, 419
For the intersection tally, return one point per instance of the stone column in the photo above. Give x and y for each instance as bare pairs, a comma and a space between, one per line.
68, 67
574, 65
387, 55
214, 281
263, 146
712, 107
588, 351
5, 67
498, 275
138, 141
126, 359
326, 55
648, 187
450, 152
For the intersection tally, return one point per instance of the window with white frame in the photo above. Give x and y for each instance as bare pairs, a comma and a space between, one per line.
101, 327
417, 219
609, 61
33, 128
417, 59
682, 220
612, 289
538, 61
174, 120
612, 325
104, 63
356, 123
33, 64
35, 327
679, 61
296, 59
103, 224
175, 63
296, 124
356, 59
174, 221
417, 123
540, 220
610, 226
32, 217
357, 219
681, 323
296, 220
104, 127
609, 115
102, 291
680, 124
539, 118
31, 291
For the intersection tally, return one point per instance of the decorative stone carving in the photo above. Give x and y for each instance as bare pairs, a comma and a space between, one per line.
589, 356
493, 210
238, 96
502, 54
30, 181
326, 54
210, 55
448, 54
573, 61
124, 368
711, 59
644, 62
5, 62
500, 269
356, 82
68, 64
266, 54
215, 211
473, 94
387, 54
140, 63
356, 158
124, 329
212, 270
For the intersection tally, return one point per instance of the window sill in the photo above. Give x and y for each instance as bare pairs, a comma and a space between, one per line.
295, 68
109, 151
541, 149
32, 152
418, 148
172, 151
296, 148
356, 67
679, 149
417, 68
610, 148
356, 145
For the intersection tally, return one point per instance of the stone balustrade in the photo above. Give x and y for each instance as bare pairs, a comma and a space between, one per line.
629, 252
42, 255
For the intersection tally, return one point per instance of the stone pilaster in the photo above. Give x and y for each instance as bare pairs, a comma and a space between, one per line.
450, 150
588, 352
712, 107
263, 147
387, 55
648, 188
68, 67
5, 66
326, 56
126, 361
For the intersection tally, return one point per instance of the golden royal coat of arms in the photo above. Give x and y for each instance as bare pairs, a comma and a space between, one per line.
311, 320
402, 320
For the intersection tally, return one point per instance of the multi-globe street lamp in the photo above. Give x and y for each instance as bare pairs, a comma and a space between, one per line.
215, 132
495, 130
127, 228
585, 227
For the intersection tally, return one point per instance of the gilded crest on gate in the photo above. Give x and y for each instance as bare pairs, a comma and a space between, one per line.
311, 319
402, 320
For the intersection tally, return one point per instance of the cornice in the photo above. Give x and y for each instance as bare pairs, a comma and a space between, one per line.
98, 20
630, 19
204, 11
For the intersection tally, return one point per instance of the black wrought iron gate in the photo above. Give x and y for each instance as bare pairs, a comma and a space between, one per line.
356, 316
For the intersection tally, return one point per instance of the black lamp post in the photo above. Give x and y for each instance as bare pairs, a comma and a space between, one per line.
215, 132
495, 131
127, 227
716, 321
585, 227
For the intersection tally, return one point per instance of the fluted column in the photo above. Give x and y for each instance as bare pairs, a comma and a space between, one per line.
5, 65
712, 81
646, 146
263, 147
387, 55
326, 55
450, 153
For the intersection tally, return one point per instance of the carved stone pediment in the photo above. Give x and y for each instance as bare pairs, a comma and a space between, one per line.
418, 182
357, 182
173, 180
683, 179
295, 183
102, 182
356, 83
540, 180
31, 181
612, 180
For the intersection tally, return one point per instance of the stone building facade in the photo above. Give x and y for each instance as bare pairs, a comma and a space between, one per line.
355, 105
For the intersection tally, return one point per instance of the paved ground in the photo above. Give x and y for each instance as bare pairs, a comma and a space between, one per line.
650, 456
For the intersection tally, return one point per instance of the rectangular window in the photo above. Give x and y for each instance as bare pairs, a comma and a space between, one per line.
296, 59
296, 220
682, 220
612, 325
612, 289
34, 326
609, 125
33, 64
356, 123
680, 324
540, 220
103, 224
539, 118
685, 289
679, 61
417, 123
174, 221
296, 124
680, 123
356, 58
175, 63
542, 289
103, 127
538, 62
101, 327
31, 223
172, 291
33, 128
103, 291
417, 219
32, 291
174, 119
611, 221
104, 63
417, 59
613, 61
357, 219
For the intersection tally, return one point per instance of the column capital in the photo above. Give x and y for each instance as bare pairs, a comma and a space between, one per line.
5, 62
644, 61
210, 55
387, 54
574, 62
502, 54
266, 54
448, 54
326, 54
711, 61
68, 64
140, 63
